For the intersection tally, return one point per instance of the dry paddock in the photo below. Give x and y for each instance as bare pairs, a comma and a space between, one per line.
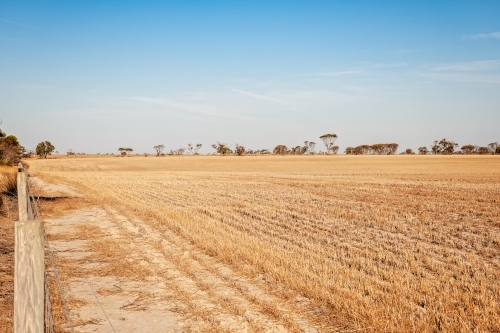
373, 243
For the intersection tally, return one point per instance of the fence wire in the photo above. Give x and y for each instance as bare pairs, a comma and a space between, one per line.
34, 214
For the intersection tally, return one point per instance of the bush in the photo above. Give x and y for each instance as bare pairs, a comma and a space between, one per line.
10, 149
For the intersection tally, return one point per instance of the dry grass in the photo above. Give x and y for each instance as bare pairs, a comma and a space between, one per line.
8, 214
6, 271
378, 243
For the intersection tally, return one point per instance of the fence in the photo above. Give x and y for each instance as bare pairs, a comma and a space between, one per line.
32, 301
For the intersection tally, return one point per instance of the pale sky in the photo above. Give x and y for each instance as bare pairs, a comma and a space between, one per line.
94, 76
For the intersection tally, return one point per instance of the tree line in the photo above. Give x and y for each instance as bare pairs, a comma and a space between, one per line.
11, 150
440, 147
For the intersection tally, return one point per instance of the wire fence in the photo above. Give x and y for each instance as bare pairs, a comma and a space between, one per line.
50, 271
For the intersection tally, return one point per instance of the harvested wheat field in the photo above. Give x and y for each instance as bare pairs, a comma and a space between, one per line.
321, 243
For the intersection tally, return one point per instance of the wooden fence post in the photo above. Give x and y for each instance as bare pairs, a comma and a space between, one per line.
22, 194
29, 267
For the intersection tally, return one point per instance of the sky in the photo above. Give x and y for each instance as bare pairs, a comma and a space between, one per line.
93, 76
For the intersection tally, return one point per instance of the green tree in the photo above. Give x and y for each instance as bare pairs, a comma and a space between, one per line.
44, 148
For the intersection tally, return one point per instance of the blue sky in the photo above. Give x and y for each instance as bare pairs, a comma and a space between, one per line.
93, 76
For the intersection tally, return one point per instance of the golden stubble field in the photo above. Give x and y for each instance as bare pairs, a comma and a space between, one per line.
378, 243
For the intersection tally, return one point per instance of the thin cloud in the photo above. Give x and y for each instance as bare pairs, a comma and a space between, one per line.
31, 86
261, 97
394, 65
188, 107
334, 74
492, 35
465, 77
469, 66
20, 24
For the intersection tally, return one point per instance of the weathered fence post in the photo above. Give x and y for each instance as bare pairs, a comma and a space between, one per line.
22, 193
29, 267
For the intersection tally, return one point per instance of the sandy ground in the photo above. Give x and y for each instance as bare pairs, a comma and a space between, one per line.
39, 187
116, 309
181, 290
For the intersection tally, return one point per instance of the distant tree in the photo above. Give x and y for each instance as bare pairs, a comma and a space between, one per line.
280, 150
363, 150
350, 150
483, 150
27, 153
311, 145
392, 147
497, 151
335, 150
179, 151
221, 148
423, 151
379, 149
329, 141
493, 147
305, 149
294, 150
382, 149
468, 149
159, 149
44, 148
435, 148
239, 150
125, 151
360, 150
409, 151
444, 147
196, 148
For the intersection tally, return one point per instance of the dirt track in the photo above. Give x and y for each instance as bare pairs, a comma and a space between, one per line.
120, 272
